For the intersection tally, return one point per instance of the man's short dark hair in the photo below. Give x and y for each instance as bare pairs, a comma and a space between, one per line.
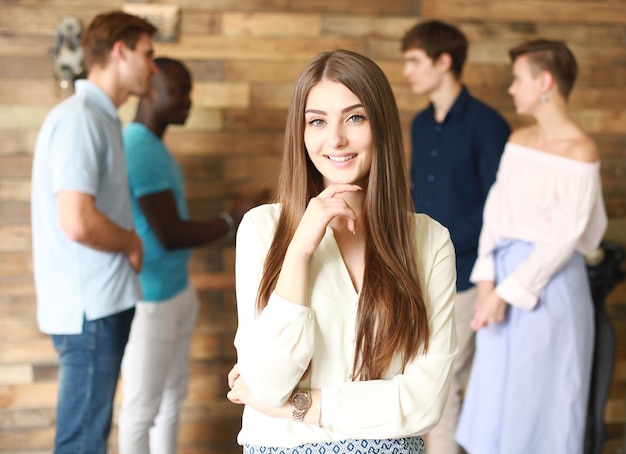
436, 38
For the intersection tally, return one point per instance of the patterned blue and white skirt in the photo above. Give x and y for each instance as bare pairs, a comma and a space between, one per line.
409, 445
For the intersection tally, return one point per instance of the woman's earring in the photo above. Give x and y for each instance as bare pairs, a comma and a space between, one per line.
543, 98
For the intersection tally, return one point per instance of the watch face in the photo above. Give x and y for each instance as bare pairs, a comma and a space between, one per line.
301, 400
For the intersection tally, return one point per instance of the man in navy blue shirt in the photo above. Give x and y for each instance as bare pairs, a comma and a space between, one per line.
457, 142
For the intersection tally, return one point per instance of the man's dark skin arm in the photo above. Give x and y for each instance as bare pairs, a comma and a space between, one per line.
173, 232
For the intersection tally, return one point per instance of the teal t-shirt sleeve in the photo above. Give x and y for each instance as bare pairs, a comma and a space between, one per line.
146, 161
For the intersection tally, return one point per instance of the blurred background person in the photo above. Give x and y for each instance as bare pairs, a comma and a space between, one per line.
86, 254
155, 369
456, 146
529, 383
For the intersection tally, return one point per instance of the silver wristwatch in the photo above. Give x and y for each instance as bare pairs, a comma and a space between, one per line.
300, 403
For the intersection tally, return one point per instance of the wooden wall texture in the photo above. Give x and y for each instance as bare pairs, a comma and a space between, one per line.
245, 55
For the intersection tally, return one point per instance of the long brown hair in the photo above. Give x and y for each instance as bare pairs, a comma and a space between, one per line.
391, 318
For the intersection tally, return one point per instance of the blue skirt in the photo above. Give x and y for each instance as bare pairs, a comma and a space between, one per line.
530, 378
409, 445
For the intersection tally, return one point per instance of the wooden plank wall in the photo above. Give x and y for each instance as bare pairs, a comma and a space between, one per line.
245, 55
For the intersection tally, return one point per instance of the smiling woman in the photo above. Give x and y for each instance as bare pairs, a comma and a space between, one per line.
345, 296
337, 135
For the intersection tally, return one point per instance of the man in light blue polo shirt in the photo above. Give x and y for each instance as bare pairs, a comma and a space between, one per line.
86, 254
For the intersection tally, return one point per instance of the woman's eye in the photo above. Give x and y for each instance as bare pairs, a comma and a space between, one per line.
356, 118
316, 122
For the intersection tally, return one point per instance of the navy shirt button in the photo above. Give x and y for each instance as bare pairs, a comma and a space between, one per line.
434, 153
428, 203
438, 128
430, 178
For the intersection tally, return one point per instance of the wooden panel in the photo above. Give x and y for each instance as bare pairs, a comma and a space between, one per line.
367, 26
16, 374
205, 70
602, 121
22, 116
26, 67
263, 71
19, 330
15, 306
25, 418
28, 396
35, 351
528, 10
15, 190
15, 166
14, 213
30, 91
213, 281
42, 19
271, 96
216, 94
25, 45
16, 264
599, 34
271, 24
269, 49
494, 53
14, 238
200, 22
257, 120
200, 143
18, 141
17, 440
342, 6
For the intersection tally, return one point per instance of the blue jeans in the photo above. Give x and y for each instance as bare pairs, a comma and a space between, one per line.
89, 368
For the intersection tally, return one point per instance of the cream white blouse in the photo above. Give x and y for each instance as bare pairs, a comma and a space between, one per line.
552, 201
276, 347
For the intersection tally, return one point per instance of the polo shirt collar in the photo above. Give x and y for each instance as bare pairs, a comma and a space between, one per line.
96, 94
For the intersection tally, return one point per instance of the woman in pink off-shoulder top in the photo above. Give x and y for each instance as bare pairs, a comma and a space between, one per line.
529, 384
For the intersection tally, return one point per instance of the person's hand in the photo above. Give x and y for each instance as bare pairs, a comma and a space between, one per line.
245, 201
240, 394
319, 213
134, 252
489, 308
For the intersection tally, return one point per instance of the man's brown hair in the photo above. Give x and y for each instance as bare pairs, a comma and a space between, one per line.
108, 28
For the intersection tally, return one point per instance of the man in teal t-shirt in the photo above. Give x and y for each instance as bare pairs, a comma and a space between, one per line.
155, 368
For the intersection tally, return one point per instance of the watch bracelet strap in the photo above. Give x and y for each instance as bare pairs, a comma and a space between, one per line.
298, 414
